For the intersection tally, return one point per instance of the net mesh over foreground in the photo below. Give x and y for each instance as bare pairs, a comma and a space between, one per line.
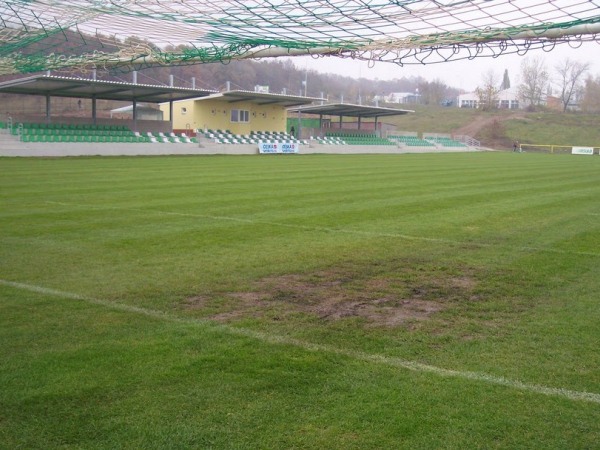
125, 35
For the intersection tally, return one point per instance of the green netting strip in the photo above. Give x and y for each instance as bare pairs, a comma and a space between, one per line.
123, 35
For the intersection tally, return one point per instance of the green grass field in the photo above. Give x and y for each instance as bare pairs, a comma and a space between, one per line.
322, 302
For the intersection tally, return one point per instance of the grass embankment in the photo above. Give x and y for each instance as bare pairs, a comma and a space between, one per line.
499, 129
552, 128
300, 302
433, 119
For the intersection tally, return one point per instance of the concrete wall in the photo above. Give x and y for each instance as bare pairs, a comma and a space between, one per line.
51, 149
11, 146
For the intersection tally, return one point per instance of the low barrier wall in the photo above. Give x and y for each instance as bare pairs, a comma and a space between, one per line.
14, 147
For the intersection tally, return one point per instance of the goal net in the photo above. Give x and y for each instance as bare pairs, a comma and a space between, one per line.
125, 35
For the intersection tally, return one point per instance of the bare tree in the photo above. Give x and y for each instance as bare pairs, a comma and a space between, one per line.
488, 92
569, 82
433, 92
590, 101
534, 81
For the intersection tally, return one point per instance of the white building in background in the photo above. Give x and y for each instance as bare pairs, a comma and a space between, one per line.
507, 99
403, 97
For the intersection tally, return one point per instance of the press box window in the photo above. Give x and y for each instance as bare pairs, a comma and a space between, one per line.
240, 115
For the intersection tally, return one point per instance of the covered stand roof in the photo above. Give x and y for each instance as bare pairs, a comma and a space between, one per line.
350, 110
262, 98
56, 86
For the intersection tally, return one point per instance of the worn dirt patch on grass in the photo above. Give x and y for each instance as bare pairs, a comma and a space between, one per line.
376, 294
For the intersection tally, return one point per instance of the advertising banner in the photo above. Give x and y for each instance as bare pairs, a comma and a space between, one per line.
278, 147
582, 150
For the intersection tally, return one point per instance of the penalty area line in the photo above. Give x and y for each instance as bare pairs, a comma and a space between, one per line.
283, 340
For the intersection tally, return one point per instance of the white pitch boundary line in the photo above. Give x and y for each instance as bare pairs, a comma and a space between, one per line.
283, 340
330, 230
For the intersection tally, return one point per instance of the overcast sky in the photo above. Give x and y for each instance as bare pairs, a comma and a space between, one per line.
465, 74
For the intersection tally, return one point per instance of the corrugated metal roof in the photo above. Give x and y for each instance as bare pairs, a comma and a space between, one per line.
56, 86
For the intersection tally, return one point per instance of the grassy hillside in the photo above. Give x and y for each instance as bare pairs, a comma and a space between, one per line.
499, 129
435, 119
555, 128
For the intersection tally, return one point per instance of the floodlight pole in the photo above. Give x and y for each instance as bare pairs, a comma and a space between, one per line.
305, 83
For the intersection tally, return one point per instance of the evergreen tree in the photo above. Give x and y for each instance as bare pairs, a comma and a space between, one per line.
505, 81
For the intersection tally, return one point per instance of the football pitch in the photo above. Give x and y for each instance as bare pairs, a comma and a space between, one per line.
300, 301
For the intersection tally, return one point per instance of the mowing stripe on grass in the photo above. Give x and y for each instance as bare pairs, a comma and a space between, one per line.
283, 340
375, 234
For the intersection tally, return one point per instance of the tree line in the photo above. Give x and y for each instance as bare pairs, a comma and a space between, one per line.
568, 81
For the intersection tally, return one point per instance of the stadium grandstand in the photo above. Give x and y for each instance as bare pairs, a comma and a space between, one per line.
236, 122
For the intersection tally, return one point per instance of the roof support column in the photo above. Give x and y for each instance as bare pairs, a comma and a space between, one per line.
134, 113
94, 114
376, 134
359, 122
48, 111
94, 110
340, 122
171, 113
320, 124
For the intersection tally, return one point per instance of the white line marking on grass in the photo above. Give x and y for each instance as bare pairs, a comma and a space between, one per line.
283, 340
334, 230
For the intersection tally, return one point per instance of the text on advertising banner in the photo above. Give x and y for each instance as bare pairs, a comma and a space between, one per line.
278, 147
